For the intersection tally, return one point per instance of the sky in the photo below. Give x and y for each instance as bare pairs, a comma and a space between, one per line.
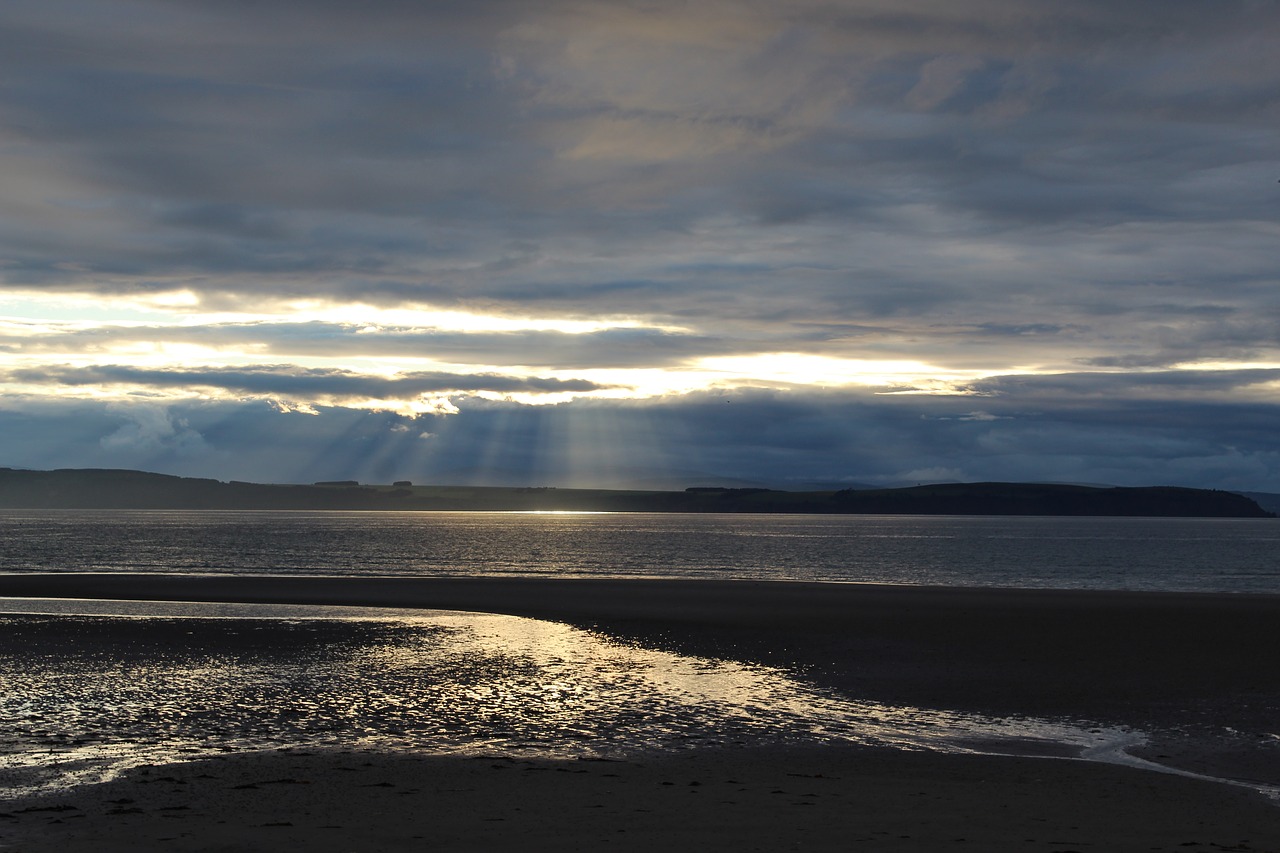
602, 242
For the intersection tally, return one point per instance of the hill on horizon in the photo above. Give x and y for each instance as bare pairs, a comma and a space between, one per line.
127, 489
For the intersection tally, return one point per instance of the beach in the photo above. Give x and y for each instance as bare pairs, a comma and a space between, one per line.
1193, 670
827, 799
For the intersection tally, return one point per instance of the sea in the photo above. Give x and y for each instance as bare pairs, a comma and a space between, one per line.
89, 689
1208, 555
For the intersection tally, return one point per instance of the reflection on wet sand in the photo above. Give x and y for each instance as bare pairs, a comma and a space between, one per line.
89, 695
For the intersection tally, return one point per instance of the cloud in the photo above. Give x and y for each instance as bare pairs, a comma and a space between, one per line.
285, 380
1068, 389
148, 429
781, 439
1075, 200
618, 347
940, 79
398, 158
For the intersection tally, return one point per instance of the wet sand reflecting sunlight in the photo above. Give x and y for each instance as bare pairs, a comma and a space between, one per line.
91, 694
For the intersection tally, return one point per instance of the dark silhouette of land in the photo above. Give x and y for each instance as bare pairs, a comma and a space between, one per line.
122, 489
1270, 501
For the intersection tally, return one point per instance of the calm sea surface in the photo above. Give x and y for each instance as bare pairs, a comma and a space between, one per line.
1225, 555
90, 688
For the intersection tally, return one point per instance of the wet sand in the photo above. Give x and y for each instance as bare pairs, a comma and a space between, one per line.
1193, 666
1142, 656
827, 799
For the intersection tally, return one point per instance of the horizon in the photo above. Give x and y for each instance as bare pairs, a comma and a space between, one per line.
567, 242
704, 484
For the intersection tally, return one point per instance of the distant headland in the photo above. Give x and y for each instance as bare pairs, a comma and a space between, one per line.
123, 489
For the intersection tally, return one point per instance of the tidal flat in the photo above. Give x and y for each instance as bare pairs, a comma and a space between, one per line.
879, 702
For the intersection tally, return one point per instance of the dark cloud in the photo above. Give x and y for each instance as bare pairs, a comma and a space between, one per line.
1070, 388
225, 141
988, 186
762, 437
296, 382
619, 347
1018, 329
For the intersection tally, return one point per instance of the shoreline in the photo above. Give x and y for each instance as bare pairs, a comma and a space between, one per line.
1152, 656
1188, 665
1162, 659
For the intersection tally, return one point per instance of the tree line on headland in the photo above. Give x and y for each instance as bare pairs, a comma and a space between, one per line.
121, 489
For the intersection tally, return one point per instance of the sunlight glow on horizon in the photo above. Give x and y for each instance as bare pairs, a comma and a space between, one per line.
806, 369
1228, 365
36, 325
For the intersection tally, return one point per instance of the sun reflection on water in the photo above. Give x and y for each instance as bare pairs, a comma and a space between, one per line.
87, 695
